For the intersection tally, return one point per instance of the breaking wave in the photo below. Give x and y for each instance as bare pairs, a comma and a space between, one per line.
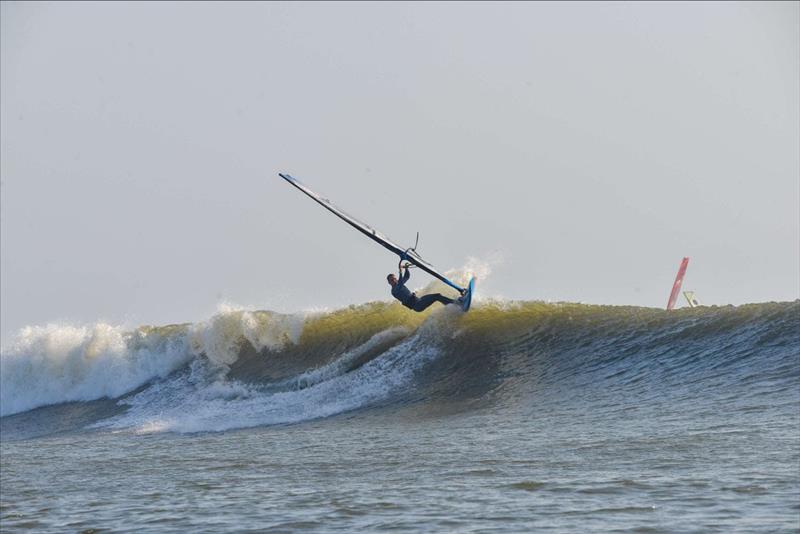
251, 368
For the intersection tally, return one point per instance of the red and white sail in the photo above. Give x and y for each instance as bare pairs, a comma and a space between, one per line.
676, 287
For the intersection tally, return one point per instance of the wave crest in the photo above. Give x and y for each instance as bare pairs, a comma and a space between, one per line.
274, 368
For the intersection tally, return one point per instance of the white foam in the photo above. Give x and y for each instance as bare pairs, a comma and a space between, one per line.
201, 399
61, 363
56, 363
342, 364
220, 338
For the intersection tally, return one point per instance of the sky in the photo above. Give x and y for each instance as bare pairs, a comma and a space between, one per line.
579, 149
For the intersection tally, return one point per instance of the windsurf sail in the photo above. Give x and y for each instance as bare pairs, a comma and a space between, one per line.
676, 287
406, 254
691, 299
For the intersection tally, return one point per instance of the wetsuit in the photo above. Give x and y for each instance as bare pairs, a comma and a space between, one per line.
410, 300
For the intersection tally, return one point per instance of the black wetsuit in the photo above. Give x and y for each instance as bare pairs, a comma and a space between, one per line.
410, 300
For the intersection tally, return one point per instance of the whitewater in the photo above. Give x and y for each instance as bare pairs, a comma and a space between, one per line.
517, 415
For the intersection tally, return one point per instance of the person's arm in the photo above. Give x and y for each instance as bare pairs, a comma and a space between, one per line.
404, 276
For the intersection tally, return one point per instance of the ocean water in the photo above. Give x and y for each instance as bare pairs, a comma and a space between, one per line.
518, 416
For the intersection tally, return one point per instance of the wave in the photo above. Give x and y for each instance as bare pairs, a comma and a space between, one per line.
249, 368
60, 363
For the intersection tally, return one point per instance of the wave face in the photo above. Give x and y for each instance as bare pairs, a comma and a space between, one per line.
252, 368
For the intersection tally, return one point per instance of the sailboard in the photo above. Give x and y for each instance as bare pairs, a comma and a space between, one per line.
406, 254
466, 300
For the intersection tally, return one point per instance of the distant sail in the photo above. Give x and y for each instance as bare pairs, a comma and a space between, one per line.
691, 299
676, 287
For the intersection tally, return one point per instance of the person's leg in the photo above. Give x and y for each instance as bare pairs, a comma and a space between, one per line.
426, 300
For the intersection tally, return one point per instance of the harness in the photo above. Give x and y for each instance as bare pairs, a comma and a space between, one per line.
411, 301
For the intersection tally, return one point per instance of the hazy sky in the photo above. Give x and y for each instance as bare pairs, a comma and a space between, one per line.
584, 148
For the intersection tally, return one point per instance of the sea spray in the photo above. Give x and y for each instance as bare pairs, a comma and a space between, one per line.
62, 363
200, 399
